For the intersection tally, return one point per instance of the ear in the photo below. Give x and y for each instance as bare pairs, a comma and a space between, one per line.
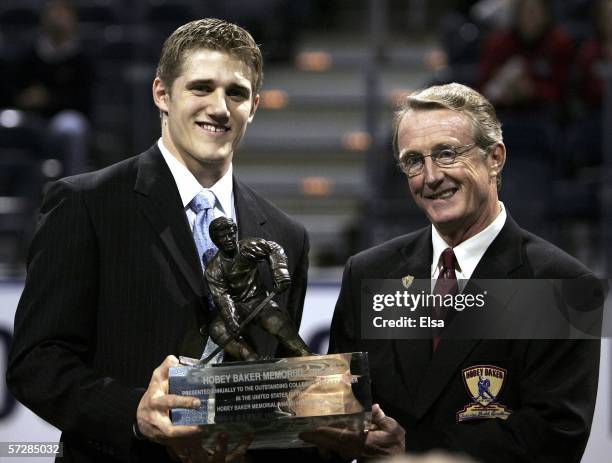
160, 95
254, 107
496, 160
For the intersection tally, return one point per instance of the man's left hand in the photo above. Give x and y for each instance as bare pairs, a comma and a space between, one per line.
385, 437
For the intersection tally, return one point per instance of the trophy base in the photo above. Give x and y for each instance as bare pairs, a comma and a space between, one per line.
276, 399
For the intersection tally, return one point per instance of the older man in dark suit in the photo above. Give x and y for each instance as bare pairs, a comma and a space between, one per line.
115, 278
449, 144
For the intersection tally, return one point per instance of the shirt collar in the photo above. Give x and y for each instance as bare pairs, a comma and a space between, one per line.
469, 252
189, 186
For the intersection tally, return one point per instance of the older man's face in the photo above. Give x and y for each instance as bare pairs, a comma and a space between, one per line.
460, 200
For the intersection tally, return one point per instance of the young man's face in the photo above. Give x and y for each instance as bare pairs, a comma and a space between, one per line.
207, 109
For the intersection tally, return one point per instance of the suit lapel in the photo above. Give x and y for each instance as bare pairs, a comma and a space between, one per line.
251, 219
500, 259
413, 355
416, 257
161, 204
503, 256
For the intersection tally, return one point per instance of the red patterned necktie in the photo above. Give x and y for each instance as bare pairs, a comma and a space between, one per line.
446, 284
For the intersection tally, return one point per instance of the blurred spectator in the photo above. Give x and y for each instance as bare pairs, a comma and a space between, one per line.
585, 134
54, 80
594, 55
528, 65
461, 30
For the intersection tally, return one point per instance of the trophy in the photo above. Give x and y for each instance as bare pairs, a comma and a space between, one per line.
276, 399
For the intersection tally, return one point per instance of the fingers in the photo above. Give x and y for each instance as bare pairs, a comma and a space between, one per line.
160, 374
163, 431
238, 453
386, 436
194, 450
189, 449
198, 453
220, 453
346, 442
169, 361
168, 401
153, 413
377, 413
377, 416
380, 421
220, 449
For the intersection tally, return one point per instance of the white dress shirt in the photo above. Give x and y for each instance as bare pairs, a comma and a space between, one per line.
188, 187
469, 252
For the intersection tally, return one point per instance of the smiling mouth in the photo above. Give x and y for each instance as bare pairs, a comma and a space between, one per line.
444, 194
213, 128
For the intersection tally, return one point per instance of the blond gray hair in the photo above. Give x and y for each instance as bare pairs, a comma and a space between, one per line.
486, 127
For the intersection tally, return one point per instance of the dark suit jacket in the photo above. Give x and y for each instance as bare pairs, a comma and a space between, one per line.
550, 385
114, 285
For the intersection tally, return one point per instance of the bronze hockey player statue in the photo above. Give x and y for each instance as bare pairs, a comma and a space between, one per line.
237, 291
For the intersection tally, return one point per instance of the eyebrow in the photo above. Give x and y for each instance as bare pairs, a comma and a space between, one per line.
418, 153
233, 86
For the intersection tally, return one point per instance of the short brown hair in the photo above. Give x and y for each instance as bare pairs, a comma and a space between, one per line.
212, 34
460, 98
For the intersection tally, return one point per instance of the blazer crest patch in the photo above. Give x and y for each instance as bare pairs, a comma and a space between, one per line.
484, 384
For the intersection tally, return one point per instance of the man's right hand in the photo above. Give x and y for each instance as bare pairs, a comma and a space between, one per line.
386, 437
153, 413
183, 442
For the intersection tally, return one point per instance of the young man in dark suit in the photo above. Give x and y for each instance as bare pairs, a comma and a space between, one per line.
449, 144
115, 281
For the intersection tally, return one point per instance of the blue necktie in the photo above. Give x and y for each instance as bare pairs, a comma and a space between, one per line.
203, 205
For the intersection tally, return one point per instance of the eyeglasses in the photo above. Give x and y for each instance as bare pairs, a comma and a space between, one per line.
413, 164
